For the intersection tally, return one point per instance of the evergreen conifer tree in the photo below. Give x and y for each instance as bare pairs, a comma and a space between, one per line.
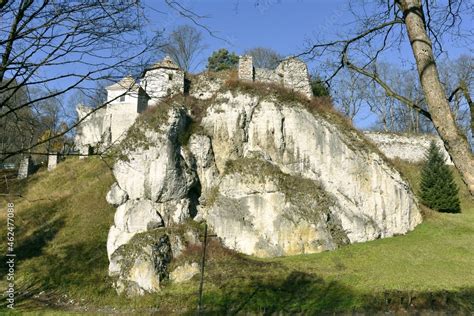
438, 189
222, 59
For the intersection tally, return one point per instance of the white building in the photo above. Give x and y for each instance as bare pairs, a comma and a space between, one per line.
126, 99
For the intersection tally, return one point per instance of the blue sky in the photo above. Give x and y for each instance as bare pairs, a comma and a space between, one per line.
240, 24
283, 25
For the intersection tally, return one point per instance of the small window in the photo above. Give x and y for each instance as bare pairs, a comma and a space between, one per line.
122, 98
170, 76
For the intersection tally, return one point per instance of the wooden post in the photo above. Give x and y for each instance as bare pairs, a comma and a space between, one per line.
203, 261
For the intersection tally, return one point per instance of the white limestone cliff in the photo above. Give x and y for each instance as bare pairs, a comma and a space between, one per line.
270, 178
375, 201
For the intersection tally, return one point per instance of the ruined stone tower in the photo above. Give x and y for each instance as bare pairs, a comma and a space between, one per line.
246, 70
291, 73
163, 79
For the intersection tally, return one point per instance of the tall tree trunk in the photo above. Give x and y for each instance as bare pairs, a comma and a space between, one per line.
456, 144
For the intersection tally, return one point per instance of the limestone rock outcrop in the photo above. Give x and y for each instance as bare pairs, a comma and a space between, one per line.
153, 190
142, 264
153, 167
259, 210
202, 153
374, 201
116, 196
270, 177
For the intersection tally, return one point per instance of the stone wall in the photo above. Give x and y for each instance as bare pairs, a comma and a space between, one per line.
52, 161
246, 70
266, 75
89, 132
120, 115
411, 148
25, 168
205, 85
292, 73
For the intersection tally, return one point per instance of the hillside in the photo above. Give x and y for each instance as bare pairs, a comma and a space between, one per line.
62, 261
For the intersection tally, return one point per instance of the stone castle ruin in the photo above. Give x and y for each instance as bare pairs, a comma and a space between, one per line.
291, 73
128, 98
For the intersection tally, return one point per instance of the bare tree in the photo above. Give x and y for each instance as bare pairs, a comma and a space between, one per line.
68, 45
184, 45
264, 57
423, 24
458, 79
392, 115
349, 93
18, 129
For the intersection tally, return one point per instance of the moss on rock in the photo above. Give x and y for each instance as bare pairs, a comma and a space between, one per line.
308, 198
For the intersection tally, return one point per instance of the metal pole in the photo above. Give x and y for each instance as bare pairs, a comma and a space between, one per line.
203, 261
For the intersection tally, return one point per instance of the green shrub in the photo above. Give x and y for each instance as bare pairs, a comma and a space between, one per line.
438, 189
222, 60
318, 87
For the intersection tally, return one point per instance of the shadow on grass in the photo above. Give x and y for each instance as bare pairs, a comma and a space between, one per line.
298, 292
450, 302
33, 245
54, 277
303, 293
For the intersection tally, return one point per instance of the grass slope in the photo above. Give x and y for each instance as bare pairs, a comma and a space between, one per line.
63, 220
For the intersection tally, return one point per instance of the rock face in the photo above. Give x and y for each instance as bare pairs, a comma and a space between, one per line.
259, 210
154, 189
116, 196
270, 178
373, 199
202, 153
142, 264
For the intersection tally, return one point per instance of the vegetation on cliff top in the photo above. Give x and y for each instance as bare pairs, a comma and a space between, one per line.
321, 107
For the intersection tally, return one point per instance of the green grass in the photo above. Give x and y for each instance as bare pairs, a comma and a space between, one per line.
62, 225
